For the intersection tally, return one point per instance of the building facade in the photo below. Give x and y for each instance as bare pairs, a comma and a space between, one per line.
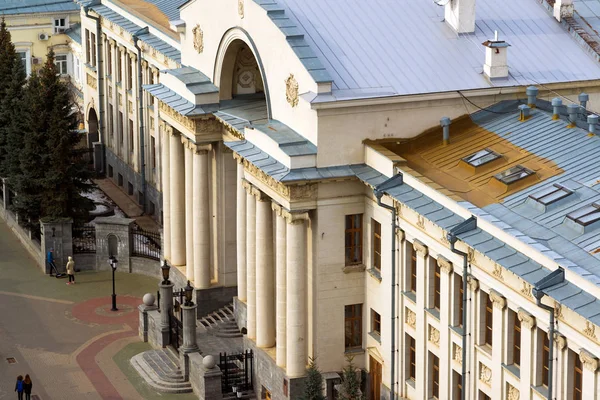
260, 132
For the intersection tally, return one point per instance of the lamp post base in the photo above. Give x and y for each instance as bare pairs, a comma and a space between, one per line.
114, 303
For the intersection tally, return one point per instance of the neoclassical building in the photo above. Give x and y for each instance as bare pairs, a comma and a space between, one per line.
293, 153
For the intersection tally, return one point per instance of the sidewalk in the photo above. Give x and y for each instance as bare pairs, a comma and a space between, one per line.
127, 204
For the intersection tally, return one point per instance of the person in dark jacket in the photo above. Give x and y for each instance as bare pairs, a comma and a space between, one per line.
27, 385
19, 387
50, 261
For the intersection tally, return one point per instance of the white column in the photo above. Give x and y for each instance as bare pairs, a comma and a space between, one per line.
241, 233
498, 340
527, 354
251, 262
590, 380
166, 194
201, 221
446, 269
421, 339
189, 227
265, 288
296, 298
281, 283
561, 373
472, 325
177, 178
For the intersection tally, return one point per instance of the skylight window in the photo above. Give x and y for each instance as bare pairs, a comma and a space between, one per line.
513, 174
551, 194
481, 157
586, 215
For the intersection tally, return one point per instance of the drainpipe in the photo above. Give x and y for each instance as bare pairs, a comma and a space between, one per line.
463, 227
379, 191
99, 72
135, 38
554, 278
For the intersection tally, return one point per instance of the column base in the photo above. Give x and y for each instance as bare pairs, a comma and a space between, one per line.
165, 336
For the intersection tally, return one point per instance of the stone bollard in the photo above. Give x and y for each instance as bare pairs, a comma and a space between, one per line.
148, 305
166, 308
189, 329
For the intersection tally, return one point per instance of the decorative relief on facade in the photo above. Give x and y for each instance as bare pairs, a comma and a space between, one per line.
485, 374
589, 361
445, 264
473, 283
121, 31
411, 318
560, 340
291, 90
558, 310
91, 81
421, 222
497, 272
526, 290
434, 335
498, 300
527, 320
444, 238
130, 106
198, 39
590, 330
457, 354
241, 8
513, 393
470, 255
188, 123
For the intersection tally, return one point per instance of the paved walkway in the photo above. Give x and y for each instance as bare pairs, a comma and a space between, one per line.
65, 336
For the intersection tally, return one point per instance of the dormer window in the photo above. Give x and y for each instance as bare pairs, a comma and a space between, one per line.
481, 157
551, 194
586, 215
513, 174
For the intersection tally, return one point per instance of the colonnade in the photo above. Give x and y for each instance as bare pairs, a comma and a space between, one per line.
272, 275
186, 227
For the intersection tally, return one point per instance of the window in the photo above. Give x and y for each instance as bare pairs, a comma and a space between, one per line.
23, 56
60, 60
435, 376
109, 60
375, 322
483, 396
513, 174
376, 244
436, 286
129, 61
353, 326
481, 157
516, 350
489, 320
412, 357
413, 271
119, 65
458, 300
77, 68
153, 155
93, 48
577, 379
60, 25
457, 385
586, 215
88, 57
551, 194
131, 143
545, 355
353, 239
111, 132
120, 122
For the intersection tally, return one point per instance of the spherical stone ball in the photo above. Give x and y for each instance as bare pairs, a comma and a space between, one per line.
209, 362
148, 299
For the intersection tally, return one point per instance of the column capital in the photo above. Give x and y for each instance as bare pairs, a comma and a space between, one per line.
561, 340
445, 264
247, 185
295, 218
144, 64
122, 48
589, 361
132, 55
473, 283
279, 210
527, 320
112, 42
201, 148
154, 71
420, 247
498, 300
400, 235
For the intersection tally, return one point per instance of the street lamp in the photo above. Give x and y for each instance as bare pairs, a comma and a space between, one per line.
165, 268
189, 290
112, 261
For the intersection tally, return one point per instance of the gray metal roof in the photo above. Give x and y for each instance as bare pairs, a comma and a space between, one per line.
290, 141
195, 81
382, 47
243, 111
11, 7
74, 32
168, 7
176, 102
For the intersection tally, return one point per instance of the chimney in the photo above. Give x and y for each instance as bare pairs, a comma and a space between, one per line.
495, 58
460, 15
592, 120
572, 110
556, 105
531, 92
445, 123
563, 9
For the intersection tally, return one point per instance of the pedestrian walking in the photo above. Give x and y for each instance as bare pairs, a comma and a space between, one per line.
27, 385
50, 261
19, 387
71, 271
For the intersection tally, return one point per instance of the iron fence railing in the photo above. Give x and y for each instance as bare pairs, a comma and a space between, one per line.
145, 243
84, 239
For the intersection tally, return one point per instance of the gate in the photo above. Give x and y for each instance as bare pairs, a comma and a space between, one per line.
237, 371
176, 320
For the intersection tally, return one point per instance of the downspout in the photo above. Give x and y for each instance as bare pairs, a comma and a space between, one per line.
554, 278
463, 227
99, 72
141, 115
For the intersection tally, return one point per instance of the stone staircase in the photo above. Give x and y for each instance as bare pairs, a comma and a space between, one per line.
160, 369
245, 396
212, 320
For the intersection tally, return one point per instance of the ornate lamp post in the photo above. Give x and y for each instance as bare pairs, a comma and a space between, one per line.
112, 261
165, 269
189, 291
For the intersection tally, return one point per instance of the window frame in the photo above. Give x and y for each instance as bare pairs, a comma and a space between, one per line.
352, 244
488, 335
411, 365
58, 28
435, 376
578, 215
63, 62
516, 347
577, 385
551, 194
472, 158
458, 298
356, 340
412, 277
545, 354
437, 286
513, 174
26, 60
375, 322
376, 244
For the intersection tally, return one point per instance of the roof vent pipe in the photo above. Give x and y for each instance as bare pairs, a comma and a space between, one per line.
445, 123
525, 112
572, 110
556, 105
531, 92
592, 120
583, 99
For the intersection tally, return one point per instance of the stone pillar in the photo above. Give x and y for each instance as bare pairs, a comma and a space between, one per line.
189, 209
421, 340
202, 268
590, 379
560, 367
113, 238
281, 284
143, 324
166, 308
251, 261
446, 269
498, 338
471, 324
241, 233
265, 288
296, 308
166, 193
189, 329
177, 179
527, 352
57, 235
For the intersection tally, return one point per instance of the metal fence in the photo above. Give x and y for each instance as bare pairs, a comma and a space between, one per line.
145, 243
84, 239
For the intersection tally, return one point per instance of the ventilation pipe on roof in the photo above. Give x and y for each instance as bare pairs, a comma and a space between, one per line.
556, 105
572, 110
532, 93
496, 65
460, 15
583, 99
592, 120
524, 112
563, 9
445, 123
